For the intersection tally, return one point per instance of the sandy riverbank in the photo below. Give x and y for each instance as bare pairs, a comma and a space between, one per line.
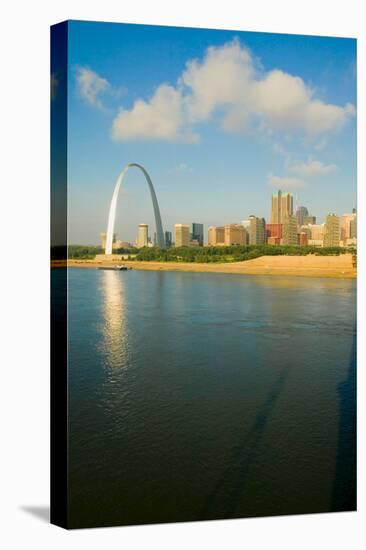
301, 266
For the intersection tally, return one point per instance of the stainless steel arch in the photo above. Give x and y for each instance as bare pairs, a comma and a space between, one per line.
112, 209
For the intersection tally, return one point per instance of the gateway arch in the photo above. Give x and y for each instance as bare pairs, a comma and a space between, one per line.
112, 209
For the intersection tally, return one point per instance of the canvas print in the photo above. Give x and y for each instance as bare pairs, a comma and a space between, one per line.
203, 271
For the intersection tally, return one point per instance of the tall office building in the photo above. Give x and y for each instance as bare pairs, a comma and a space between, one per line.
216, 236
274, 230
282, 207
257, 230
143, 235
245, 223
274, 233
234, 234
197, 233
316, 237
332, 230
346, 225
353, 225
353, 228
306, 229
303, 238
301, 214
168, 239
181, 234
309, 220
290, 231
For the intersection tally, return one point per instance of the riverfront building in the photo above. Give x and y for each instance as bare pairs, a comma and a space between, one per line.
257, 230
197, 233
301, 214
216, 236
348, 226
274, 233
143, 235
303, 238
309, 220
235, 234
168, 239
181, 234
290, 231
315, 234
353, 228
274, 230
332, 230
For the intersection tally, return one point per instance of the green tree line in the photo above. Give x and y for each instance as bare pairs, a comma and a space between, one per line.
81, 252
207, 254
231, 253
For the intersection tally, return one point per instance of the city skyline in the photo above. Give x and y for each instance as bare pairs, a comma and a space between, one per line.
285, 226
210, 148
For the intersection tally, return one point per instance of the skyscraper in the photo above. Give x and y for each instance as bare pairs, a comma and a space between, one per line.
353, 228
309, 220
168, 239
332, 231
257, 230
353, 225
181, 234
346, 224
274, 233
197, 233
316, 236
282, 206
143, 235
303, 238
301, 213
274, 230
216, 236
235, 234
290, 231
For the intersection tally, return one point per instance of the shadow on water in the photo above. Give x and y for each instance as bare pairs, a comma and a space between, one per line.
232, 484
344, 489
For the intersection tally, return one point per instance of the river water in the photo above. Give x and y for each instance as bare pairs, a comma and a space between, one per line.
199, 396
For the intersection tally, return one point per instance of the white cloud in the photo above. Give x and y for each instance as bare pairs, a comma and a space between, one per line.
312, 168
223, 77
285, 182
280, 150
90, 86
286, 103
160, 118
183, 167
228, 85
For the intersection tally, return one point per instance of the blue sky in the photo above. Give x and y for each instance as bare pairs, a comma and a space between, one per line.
220, 120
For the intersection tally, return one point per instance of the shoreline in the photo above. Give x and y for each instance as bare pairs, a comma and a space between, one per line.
340, 267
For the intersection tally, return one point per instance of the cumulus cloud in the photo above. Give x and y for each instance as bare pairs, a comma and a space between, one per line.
312, 168
285, 182
160, 118
183, 167
91, 86
222, 78
280, 150
229, 86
